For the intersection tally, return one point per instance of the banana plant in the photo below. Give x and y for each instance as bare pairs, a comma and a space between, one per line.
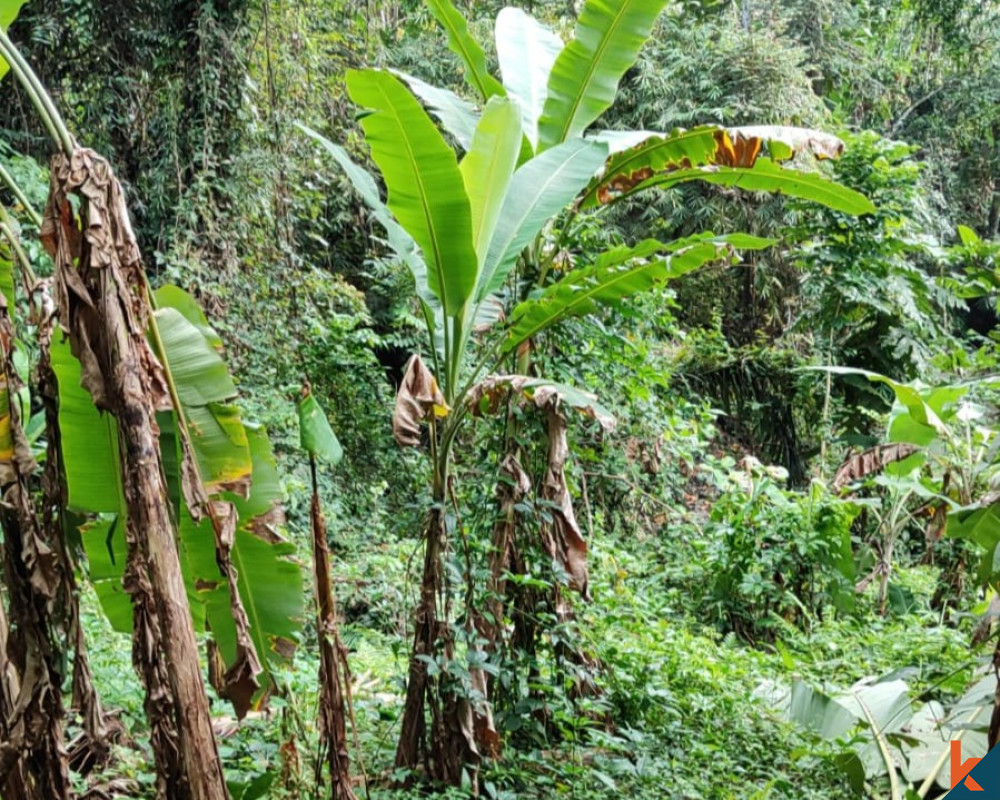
236, 465
470, 223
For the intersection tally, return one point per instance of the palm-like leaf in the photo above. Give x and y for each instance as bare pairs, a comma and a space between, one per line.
462, 44
426, 189
456, 115
766, 176
526, 50
584, 79
539, 190
716, 155
615, 276
9, 9
488, 168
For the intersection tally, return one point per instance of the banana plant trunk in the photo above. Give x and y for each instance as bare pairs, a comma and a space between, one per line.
15, 785
33, 761
437, 727
104, 307
333, 711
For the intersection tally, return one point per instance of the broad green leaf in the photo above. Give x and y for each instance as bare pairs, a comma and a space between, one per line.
968, 236
104, 543
887, 703
819, 712
270, 580
315, 434
978, 524
270, 583
584, 79
932, 737
91, 461
204, 387
89, 442
540, 189
219, 440
200, 375
458, 116
236, 466
488, 168
9, 9
614, 276
7, 283
766, 176
526, 50
426, 190
640, 160
916, 422
176, 298
462, 44
399, 240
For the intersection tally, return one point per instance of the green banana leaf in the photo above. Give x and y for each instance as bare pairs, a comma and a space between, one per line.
527, 51
270, 580
176, 298
426, 191
204, 387
766, 176
916, 420
615, 276
584, 79
315, 434
91, 459
488, 168
456, 115
230, 454
9, 9
539, 190
641, 160
652, 153
462, 44
237, 466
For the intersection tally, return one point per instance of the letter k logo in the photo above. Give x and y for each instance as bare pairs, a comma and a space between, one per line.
960, 771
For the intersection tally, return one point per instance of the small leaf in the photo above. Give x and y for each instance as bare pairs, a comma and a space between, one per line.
315, 433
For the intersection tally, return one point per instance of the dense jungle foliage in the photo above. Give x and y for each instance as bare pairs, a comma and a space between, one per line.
494, 416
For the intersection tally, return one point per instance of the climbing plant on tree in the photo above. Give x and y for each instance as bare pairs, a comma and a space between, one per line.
483, 232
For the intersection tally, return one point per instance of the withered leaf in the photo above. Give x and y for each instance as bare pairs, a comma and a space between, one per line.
869, 462
418, 398
486, 396
797, 140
